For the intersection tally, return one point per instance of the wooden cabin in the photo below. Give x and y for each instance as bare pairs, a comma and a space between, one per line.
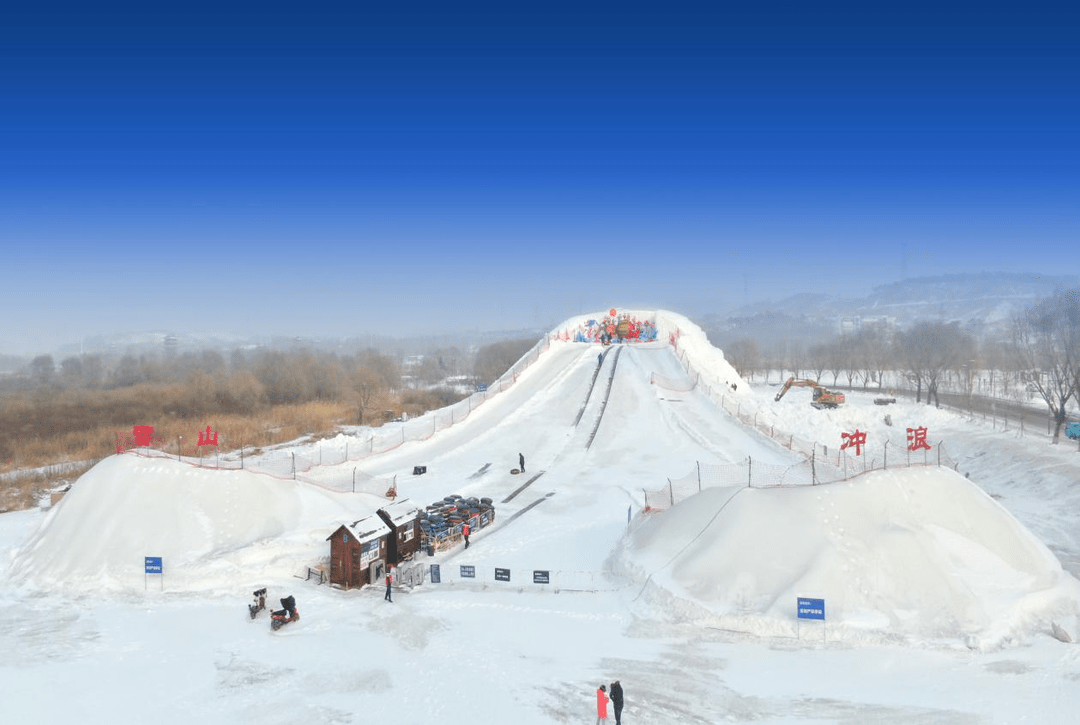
403, 518
358, 552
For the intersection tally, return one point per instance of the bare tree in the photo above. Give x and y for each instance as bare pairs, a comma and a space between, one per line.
1047, 339
849, 348
367, 383
495, 359
928, 349
874, 351
744, 356
818, 360
42, 370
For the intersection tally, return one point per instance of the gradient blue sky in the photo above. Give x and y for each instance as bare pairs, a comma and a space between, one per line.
332, 169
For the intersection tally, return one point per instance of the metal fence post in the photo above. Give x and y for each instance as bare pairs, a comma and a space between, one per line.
749, 471
354, 479
699, 476
293, 465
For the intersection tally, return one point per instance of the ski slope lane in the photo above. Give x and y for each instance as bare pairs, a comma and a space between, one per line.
643, 439
535, 417
645, 421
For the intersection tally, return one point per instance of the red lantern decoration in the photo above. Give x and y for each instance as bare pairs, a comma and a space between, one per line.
611, 312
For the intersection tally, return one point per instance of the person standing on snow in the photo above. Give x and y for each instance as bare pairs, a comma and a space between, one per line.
465, 533
616, 700
521, 462
389, 581
601, 705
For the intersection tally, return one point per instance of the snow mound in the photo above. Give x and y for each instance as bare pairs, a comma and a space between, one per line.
911, 553
198, 520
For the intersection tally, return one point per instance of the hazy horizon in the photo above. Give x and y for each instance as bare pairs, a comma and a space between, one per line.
267, 172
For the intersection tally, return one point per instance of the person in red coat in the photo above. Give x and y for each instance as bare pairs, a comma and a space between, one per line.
465, 533
601, 705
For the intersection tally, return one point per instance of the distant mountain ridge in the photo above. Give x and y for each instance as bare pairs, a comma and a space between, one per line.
984, 303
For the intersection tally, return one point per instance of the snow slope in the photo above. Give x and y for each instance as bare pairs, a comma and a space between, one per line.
939, 598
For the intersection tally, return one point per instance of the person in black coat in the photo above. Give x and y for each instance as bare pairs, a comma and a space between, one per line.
616, 700
521, 460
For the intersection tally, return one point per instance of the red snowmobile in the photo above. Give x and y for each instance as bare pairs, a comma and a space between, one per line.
259, 604
287, 613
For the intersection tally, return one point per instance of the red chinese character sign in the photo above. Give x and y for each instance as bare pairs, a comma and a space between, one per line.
207, 439
142, 434
856, 439
917, 439
141, 437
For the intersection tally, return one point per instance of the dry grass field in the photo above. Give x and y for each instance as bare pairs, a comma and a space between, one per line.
49, 441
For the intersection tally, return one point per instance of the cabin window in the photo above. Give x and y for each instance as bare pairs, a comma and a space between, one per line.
407, 534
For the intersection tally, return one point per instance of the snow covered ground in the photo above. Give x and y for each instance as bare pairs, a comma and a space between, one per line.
941, 587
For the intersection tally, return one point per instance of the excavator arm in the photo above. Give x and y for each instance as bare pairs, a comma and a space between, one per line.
795, 383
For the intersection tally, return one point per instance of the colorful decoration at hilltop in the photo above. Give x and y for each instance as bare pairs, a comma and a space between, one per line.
614, 327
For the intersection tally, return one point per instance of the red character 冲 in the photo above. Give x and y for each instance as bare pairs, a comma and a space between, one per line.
143, 434
917, 439
857, 439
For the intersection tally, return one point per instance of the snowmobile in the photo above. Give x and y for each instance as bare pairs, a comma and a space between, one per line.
287, 613
259, 604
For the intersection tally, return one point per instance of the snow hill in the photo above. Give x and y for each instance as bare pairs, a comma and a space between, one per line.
913, 558
918, 551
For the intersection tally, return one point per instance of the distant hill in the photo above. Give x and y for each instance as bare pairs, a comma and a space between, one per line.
983, 304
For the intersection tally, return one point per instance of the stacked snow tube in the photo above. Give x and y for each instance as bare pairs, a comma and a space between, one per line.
445, 517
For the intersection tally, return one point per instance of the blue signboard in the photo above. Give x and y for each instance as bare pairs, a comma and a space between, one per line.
153, 565
468, 572
481, 388
541, 576
436, 576
502, 575
811, 608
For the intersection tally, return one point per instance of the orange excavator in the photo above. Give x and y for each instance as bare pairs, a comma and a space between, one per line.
823, 397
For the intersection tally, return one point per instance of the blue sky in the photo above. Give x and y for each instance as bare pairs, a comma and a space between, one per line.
344, 168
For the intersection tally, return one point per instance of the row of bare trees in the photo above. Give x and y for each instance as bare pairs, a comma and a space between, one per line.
248, 380
1043, 355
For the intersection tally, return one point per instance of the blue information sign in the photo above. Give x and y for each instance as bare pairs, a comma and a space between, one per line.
502, 575
811, 608
153, 565
468, 572
541, 576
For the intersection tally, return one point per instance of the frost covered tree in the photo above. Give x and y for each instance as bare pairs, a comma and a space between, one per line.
1047, 340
